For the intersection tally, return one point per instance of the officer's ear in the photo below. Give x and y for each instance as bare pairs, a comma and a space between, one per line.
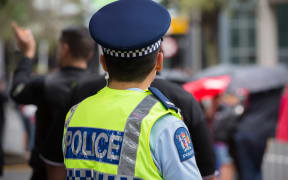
159, 61
103, 62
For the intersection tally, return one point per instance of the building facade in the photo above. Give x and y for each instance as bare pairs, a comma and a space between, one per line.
254, 32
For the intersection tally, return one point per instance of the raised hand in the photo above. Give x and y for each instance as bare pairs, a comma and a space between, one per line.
25, 40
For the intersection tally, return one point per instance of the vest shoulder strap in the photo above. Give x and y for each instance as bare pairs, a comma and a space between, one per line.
163, 99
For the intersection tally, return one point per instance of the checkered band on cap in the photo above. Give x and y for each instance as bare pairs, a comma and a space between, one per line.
90, 174
133, 54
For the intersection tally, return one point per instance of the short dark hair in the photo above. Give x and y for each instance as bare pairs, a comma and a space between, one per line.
79, 41
130, 70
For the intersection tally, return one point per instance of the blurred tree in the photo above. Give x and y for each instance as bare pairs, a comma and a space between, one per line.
205, 5
46, 18
12, 10
17, 10
2, 3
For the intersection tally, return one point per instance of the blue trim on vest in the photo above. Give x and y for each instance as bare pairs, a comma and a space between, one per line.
163, 99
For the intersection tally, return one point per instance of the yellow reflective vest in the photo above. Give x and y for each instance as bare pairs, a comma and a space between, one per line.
106, 136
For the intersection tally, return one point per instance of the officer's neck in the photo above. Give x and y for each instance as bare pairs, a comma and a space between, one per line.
124, 85
127, 85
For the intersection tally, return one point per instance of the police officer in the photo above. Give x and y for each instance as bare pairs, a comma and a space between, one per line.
51, 92
193, 118
128, 130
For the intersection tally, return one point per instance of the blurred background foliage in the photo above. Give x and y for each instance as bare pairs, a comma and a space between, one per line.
45, 17
17, 10
204, 5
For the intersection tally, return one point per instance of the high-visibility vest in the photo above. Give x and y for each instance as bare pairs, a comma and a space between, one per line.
106, 136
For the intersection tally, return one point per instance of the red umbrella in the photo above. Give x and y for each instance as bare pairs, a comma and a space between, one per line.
208, 87
282, 127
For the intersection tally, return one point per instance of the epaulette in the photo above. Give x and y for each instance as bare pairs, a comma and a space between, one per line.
163, 99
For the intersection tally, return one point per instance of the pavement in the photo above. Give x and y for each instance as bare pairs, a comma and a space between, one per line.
16, 172
14, 140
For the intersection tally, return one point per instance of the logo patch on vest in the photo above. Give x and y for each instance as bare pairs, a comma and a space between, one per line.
93, 144
183, 144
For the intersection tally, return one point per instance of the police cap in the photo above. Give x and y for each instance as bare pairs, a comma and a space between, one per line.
130, 28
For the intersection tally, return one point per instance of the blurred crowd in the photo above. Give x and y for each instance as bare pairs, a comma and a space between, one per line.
245, 112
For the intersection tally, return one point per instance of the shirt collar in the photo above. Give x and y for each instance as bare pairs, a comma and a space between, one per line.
136, 89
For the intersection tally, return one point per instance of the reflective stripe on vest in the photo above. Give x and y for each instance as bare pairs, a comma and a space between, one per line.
73, 109
127, 161
131, 136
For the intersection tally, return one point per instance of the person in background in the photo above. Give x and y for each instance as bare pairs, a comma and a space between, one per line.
228, 113
50, 92
273, 164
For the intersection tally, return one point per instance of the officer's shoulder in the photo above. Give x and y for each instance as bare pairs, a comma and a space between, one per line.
85, 102
163, 99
